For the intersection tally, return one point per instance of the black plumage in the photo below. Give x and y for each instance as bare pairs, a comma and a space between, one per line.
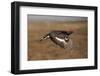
60, 38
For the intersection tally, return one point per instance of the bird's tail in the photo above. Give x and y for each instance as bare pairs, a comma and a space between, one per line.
45, 37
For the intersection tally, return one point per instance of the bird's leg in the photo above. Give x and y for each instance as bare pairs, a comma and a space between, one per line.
66, 39
68, 42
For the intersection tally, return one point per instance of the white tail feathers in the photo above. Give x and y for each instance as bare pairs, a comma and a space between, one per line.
45, 37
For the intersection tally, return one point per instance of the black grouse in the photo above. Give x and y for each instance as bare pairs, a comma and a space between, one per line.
60, 38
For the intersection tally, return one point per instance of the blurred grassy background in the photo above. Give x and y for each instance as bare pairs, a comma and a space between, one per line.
47, 50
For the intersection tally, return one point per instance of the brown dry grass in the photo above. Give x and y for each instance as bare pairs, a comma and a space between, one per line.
47, 50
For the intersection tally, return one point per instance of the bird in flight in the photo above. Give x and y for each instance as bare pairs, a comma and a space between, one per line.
60, 38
